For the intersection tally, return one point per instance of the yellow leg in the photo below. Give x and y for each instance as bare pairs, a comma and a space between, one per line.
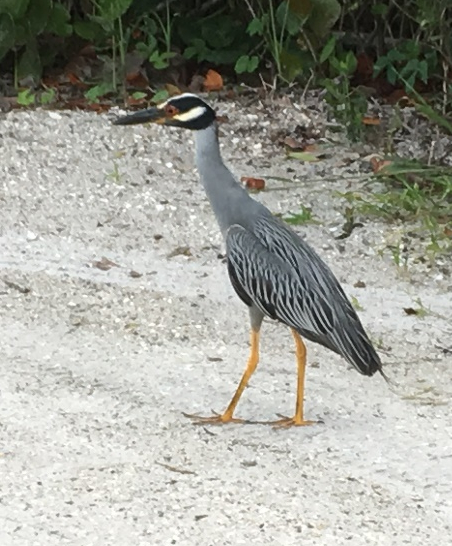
227, 416
298, 419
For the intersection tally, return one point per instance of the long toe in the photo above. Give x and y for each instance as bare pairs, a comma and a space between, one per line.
295, 421
216, 419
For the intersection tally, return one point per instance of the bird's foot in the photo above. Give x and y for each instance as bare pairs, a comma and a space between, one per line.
216, 419
295, 421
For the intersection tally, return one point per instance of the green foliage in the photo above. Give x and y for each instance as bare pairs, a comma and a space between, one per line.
98, 91
290, 31
416, 193
407, 63
219, 39
22, 22
303, 217
287, 41
245, 63
348, 104
26, 97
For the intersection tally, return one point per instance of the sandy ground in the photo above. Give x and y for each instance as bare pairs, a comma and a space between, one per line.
97, 365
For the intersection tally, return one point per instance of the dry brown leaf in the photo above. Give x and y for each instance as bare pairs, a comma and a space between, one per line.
180, 251
75, 80
104, 264
213, 81
411, 311
399, 96
293, 143
137, 79
311, 148
379, 164
172, 90
367, 120
134, 274
222, 119
131, 101
364, 66
196, 84
256, 184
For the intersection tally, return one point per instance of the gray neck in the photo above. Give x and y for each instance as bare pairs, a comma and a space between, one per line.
227, 197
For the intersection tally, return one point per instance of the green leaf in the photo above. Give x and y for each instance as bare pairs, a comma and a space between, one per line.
197, 48
391, 74
219, 32
394, 55
246, 64
379, 9
256, 26
106, 24
186, 29
303, 156
351, 62
47, 96
410, 67
58, 22
25, 97
222, 56
423, 70
149, 26
37, 16
160, 96
113, 9
138, 95
292, 64
98, 91
23, 34
30, 63
7, 33
380, 64
160, 60
410, 82
147, 48
302, 8
16, 8
328, 49
324, 15
287, 19
88, 30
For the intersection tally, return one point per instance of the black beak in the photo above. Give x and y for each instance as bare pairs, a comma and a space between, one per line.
150, 115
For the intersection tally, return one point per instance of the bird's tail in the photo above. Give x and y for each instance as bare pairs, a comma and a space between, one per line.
363, 356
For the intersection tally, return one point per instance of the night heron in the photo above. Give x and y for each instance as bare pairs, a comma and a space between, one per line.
273, 271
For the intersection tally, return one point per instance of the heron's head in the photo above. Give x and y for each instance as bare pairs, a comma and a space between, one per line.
186, 110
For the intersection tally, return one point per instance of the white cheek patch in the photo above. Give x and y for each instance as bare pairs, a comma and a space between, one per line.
194, 113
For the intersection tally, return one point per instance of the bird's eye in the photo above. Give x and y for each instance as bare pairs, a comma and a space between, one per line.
171, 110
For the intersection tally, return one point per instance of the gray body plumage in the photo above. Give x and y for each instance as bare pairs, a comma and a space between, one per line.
274, 271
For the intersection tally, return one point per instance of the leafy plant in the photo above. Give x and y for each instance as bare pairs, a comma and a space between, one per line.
305, 216
106, 22
245, 63
416, 193
26, 97
407, 63
21, 24
97, 91
218, 39
150, 27
348, 104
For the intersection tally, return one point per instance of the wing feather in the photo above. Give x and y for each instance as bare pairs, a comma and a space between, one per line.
275, 270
